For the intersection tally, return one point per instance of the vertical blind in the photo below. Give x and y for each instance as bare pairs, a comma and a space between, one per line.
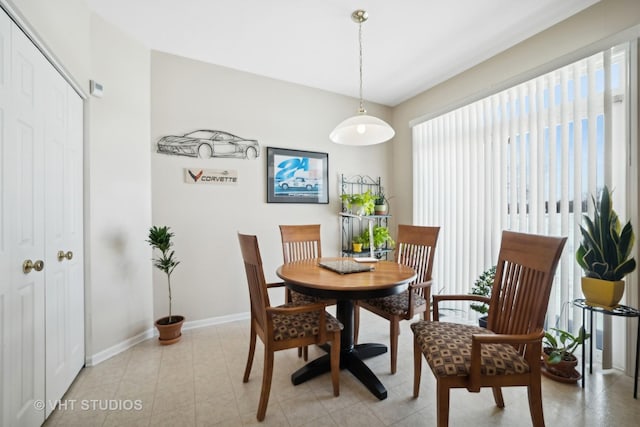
527, 159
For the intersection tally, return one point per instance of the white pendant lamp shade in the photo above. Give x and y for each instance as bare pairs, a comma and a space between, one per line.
362, 129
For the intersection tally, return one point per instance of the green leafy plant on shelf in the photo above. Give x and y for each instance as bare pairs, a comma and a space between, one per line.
381, 236
364, 200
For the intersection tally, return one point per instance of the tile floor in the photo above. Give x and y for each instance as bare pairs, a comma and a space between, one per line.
198, 382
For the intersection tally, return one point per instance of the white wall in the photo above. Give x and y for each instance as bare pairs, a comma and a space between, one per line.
118, 209
187, 95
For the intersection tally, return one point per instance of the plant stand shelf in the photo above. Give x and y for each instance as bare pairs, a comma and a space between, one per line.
620, 310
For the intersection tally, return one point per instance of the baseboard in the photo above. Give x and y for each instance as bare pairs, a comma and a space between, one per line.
152, 332
119, 348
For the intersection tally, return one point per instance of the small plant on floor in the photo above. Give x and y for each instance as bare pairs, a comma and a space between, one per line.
560, 345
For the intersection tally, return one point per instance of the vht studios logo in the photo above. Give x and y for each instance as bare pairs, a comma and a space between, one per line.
210, 176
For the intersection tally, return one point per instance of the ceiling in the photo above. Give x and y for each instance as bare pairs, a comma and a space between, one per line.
408, 45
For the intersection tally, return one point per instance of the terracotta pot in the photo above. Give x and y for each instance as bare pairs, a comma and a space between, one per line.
563, 371
602, 293
170, 333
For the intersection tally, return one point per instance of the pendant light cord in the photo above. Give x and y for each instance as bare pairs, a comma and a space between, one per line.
362, 110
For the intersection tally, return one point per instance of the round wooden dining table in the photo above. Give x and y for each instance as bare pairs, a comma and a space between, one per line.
308, 277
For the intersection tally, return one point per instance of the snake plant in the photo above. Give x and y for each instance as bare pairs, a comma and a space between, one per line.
606, 247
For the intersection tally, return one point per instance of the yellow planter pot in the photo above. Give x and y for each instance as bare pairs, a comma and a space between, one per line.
357, 247
602, 293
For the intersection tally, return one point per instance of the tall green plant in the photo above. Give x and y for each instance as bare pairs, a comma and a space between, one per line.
606, 246
160, 239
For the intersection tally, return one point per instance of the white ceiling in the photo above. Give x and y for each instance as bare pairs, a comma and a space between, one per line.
409, 45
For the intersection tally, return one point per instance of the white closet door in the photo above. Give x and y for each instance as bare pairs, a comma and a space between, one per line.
63, 227
5, 225
25, 210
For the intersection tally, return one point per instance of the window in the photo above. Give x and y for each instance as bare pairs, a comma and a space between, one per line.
526, 159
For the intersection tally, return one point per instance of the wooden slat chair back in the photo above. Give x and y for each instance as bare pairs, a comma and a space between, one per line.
300, 242
415, 247
506, 353
283, 327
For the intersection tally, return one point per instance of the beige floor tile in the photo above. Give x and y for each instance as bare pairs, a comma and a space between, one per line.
198, 382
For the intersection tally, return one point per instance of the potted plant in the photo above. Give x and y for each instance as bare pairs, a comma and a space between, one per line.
380, 203
357, 243
604, 254
557, 354
169, 327
359, 203
482, 286
381, 236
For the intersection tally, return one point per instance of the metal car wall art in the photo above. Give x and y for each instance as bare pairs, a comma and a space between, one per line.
209, 143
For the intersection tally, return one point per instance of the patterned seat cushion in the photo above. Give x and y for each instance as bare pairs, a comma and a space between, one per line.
300, 325
397, 304
299, 298
447, 348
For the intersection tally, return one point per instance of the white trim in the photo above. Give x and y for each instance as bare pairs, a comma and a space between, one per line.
32, 35
212, 321
118, 348
629, 34
152, 333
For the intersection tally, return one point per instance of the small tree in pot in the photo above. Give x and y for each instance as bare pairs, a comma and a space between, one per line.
169, 327
482, 286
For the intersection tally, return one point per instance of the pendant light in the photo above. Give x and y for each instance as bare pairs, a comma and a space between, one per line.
361, 129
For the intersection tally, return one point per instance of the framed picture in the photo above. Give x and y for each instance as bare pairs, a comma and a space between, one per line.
295, 176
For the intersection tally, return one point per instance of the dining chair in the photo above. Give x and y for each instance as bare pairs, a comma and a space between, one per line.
301, 242
506, 353
287, 326
415, 247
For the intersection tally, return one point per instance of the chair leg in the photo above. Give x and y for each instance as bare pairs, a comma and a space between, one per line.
335, 363
417, 368
394, 331
443, 404
303, 352
266, 383
356, 322
534, 391
252, 349
497, 396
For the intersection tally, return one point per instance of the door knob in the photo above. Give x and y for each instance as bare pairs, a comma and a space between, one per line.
62, 255
29, 265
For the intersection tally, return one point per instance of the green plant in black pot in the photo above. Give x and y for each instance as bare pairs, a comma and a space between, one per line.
482, 286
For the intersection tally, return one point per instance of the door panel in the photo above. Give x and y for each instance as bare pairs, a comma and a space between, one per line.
25, 152
5, 222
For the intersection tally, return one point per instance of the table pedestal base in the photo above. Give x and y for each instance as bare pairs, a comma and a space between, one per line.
351, 359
